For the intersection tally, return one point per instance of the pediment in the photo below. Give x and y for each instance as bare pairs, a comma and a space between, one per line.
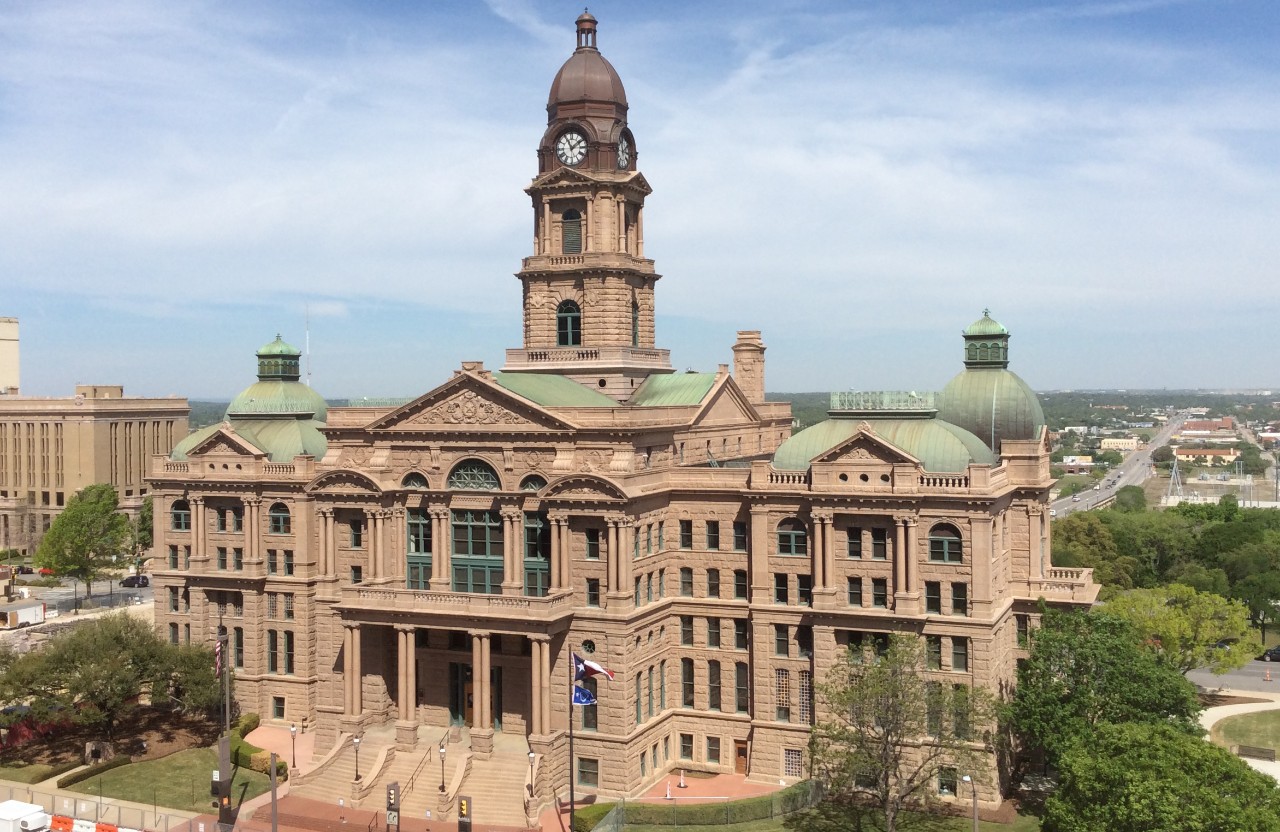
587, 488
344, 481
468, 402
865, 448
573, 178
226, 442
563, 176
726, 405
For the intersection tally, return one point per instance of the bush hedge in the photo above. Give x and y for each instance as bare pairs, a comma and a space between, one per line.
247, 723
93, 771
62, 768
791, 799
586, 818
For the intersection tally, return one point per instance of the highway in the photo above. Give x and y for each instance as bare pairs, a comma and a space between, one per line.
1133, 471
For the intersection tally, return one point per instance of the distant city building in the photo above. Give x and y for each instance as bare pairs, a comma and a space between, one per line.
422, 572
1207, 456
1194, 426
1127, 443
9, 365
51, 447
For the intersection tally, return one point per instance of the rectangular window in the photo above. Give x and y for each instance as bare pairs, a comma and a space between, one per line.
648, 588
855, 542
593, 544
639, 701
588, 772
792, 762
959, 599
237, 646
933, 707
713, 685
288, 561
273, 651
713, 534
686, 581
960, 654
855, 591
880, 592
739, 535
804, 590
355, 529
222, 557
806, 697
740, 637
288, 607
782, 694
741, 687
713, 749
662, 583
221, 523
661, 529
173, 599
780, 588
933, 652
272, 605
947, 781
713, 583
686, 746
879, 544
686, 683
1023, 622
781, 640
945, 550
804, 640
590, 718
662, 685
237, 558
638, 597
686, 534
186, 633
593, 592
173, 557
686, 630
713, 633
173, 633
933, 597
288, 651
648, 539
357, 574
635, 543
186, 557
273, 562
740, 584
960, 715
237, 519
277, 707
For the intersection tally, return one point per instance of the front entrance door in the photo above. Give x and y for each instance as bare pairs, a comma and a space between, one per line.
739, 756
461, 700
469, 707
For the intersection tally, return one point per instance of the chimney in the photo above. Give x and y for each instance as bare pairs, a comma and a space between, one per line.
748, 364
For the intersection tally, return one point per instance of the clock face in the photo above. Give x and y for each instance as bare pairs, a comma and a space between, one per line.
624, 153
571, 148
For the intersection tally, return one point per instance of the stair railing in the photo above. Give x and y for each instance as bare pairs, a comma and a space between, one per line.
422, 764
314, 774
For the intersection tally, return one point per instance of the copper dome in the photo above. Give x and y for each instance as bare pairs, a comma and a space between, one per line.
586, 76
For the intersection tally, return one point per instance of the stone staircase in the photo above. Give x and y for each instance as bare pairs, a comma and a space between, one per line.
496, 785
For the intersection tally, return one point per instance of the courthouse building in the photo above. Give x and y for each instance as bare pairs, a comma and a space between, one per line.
418, 574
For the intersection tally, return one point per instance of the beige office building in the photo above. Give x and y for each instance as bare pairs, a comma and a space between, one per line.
417, 575
51, 447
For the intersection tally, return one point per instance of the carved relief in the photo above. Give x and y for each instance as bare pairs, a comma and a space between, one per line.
357, 457
468, 408
534, 460
592, 461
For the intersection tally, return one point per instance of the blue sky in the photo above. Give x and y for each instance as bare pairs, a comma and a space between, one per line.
180, 180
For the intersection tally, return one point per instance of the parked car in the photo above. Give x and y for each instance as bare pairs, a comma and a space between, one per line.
1271, 654
45, 572
135, 581
25, 570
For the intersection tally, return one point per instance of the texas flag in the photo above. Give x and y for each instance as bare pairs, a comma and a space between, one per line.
585, 668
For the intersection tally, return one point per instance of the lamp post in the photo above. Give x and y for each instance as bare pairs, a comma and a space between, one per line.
441, 768
531, 757
293, 737
356, 742
973, 785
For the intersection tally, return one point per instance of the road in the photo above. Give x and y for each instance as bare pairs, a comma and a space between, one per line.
1133, 471
1252, 676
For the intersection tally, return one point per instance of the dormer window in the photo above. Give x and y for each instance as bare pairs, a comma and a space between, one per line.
568, 325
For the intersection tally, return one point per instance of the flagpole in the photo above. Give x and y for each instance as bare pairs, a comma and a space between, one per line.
573, 673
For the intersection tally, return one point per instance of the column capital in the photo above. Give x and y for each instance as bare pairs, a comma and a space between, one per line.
822, 515
438, 512
1035, 510
253, 501
325, 511
511, 513
759, 508
199, 501
539, 638
480, 634
350, 625
406, 628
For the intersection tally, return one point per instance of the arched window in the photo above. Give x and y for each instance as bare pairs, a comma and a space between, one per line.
972, 350
945, 544
180, 516
568, 324
413, 480
418, 538
571, 228
792, 538
533, 482
278, 521
473, 475
984, 351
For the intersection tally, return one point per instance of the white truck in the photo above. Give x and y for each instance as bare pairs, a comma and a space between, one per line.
21, 614
16, 816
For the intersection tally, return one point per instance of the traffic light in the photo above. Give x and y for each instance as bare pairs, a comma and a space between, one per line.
464, 814
393, 797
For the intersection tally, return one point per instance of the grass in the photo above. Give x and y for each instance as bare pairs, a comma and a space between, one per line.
178, 781
796, 823
1261, 730
33, 773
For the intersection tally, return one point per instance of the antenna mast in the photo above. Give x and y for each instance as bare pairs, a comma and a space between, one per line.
307, 348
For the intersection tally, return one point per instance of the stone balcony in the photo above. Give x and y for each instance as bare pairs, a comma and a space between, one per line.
605, 260
1065, 584
399, 603
595, 358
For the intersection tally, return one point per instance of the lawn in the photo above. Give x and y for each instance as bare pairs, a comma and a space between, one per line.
796, 823
1261, 729
33, 773
178, 781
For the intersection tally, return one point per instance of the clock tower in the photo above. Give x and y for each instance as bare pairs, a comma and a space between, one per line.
588, 289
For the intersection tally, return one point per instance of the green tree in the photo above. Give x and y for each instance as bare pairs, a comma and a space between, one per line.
141, 532
1087, 669
1261, 594
889, 730
1082, 539
1131, 499
1189, 629
88, 537
1135, 778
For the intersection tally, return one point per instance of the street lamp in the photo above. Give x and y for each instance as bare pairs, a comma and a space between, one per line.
531, 756
442, 768
356, 742
293, 736
974, 786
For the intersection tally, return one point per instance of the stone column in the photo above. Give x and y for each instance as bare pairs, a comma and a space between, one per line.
357, 662
912, 528
759, 558
348, 670
535, 686
566, 568
407, 727
512, 551
252, 513
440, 551
980, 555
626, 546
829, 553
899, 555
481, 712
197, 528
545, 673
396, 544
325, 564
614, 557
557, 572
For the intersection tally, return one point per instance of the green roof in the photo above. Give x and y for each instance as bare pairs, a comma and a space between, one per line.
278, 347
673, 390
278, 397
940, 446
280, 439
993, 403
985, 327
552, 390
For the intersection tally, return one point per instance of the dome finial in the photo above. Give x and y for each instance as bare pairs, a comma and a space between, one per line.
586, 30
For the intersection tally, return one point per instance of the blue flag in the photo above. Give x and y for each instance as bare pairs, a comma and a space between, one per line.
582, 696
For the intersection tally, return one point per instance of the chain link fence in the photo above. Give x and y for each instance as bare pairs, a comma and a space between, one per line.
88, 807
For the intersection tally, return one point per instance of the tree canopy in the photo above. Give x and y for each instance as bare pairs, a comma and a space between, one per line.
1190, 629
1140, 777
1087, 669
890, 730
88, 537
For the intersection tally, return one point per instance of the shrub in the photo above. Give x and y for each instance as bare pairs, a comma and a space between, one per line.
261, 761
586, 818
62, 768
93, 771
246, 724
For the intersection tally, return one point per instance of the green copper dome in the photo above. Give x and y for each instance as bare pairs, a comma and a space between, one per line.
941, 447
986, 398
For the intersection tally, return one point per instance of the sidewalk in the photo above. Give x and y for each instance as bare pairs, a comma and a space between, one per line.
1212, 716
